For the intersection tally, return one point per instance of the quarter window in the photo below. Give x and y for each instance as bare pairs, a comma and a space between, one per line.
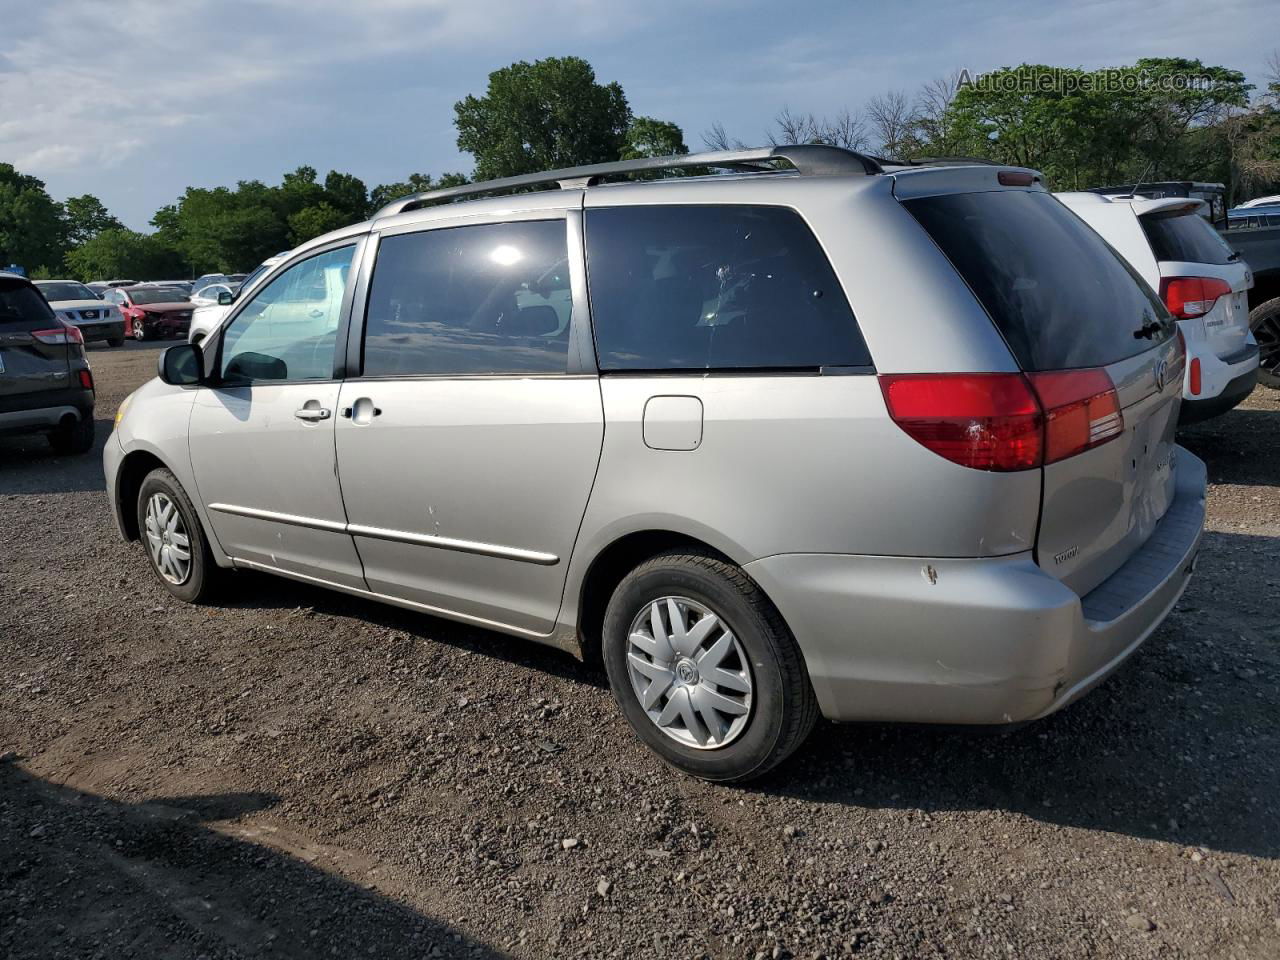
677, 287
484, 299
289, 329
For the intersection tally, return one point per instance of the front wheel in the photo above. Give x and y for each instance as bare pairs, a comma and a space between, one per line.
704, 668
139, 330
1264, 321
175, 542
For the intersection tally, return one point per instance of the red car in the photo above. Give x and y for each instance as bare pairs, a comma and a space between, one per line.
152, 311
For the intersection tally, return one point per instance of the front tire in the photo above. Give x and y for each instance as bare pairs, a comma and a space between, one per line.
139, 330
175, 542
1264, 321
705, 669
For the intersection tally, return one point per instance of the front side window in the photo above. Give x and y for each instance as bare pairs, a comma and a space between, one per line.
677, 287
484, 299
288, 330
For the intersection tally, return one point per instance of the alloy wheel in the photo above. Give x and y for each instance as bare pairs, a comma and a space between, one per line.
689, 672
167, 539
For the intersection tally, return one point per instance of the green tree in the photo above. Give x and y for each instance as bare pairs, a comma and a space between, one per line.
311, 222
647, 137
86, 218
384, 193
32, 231
118, 253
540, 116
347, 193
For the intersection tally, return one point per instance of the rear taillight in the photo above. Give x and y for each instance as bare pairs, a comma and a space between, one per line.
86, 379
1188, 297
1005, 421
1081, 410
988, 421
1194, 378
56, 335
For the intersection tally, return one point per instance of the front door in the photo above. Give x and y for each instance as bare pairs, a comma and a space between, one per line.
262, 437
468, 446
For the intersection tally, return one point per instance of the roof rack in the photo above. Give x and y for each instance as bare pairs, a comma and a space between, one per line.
809, 159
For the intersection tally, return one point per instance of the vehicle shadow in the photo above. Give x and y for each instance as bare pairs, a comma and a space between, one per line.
88, 876
261, 591
28, 465
1178, 746
1238, 446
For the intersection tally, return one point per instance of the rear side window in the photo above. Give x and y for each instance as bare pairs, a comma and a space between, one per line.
1187, 237
22, 308
485, 299
715, 288
1059, 294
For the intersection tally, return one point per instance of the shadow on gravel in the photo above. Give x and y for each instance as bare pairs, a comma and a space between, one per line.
261, 591
92, 877
29, 466
1239, 447
1180, 745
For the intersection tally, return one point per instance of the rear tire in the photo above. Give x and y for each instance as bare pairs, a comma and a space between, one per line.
763, 669
74, 440
194, 578
1264, 321
115, 342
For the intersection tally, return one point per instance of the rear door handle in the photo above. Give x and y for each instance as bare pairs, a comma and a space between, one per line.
313, 413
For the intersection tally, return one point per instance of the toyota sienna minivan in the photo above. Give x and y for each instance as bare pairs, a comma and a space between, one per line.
817, 435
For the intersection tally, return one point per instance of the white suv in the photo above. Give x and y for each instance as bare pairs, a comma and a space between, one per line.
1201, 280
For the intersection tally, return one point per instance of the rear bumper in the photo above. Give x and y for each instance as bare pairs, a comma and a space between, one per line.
44, 411
975, 641
1224, 382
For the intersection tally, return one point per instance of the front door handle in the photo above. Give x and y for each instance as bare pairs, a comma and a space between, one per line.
313, 413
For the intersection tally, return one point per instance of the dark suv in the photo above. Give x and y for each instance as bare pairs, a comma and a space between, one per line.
45, 382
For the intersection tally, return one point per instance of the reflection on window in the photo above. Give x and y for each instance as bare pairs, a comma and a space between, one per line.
492, 298
288, 330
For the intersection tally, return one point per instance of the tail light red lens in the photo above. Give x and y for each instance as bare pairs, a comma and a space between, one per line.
988, 421
1081, 410
1195, 377
1188, 297
86, 379
59, 335
1005, 421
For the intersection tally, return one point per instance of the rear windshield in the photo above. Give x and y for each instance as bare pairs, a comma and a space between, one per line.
22, 308
1059, 294
1187, 237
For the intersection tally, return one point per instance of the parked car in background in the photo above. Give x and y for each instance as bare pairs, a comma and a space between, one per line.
152, 311
207, 316
46, 385
208, 295
79, 306
881, 442
1202, 281
1259, 216
1271, 201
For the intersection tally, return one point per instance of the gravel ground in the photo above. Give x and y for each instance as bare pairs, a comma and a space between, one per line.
303, 774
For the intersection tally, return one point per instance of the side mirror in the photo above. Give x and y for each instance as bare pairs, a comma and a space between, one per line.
182, 365
225, 298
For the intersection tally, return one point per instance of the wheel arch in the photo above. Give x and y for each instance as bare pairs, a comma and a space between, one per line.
133, 469
614, 561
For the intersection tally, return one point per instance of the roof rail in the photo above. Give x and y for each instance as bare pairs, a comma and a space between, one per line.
810, 159
951, 161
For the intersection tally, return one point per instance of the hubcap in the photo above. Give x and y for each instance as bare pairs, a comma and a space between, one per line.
1267, 333
167, 539
689, 673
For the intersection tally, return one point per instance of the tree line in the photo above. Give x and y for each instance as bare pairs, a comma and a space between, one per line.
1156, 119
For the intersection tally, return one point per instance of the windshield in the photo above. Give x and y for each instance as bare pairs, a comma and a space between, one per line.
160, 295
65, 290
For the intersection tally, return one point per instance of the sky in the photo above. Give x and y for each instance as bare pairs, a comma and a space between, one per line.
134, 100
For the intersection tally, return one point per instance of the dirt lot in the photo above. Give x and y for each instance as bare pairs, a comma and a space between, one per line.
302, 774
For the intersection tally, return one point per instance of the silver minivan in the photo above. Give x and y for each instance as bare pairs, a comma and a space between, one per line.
817, 435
